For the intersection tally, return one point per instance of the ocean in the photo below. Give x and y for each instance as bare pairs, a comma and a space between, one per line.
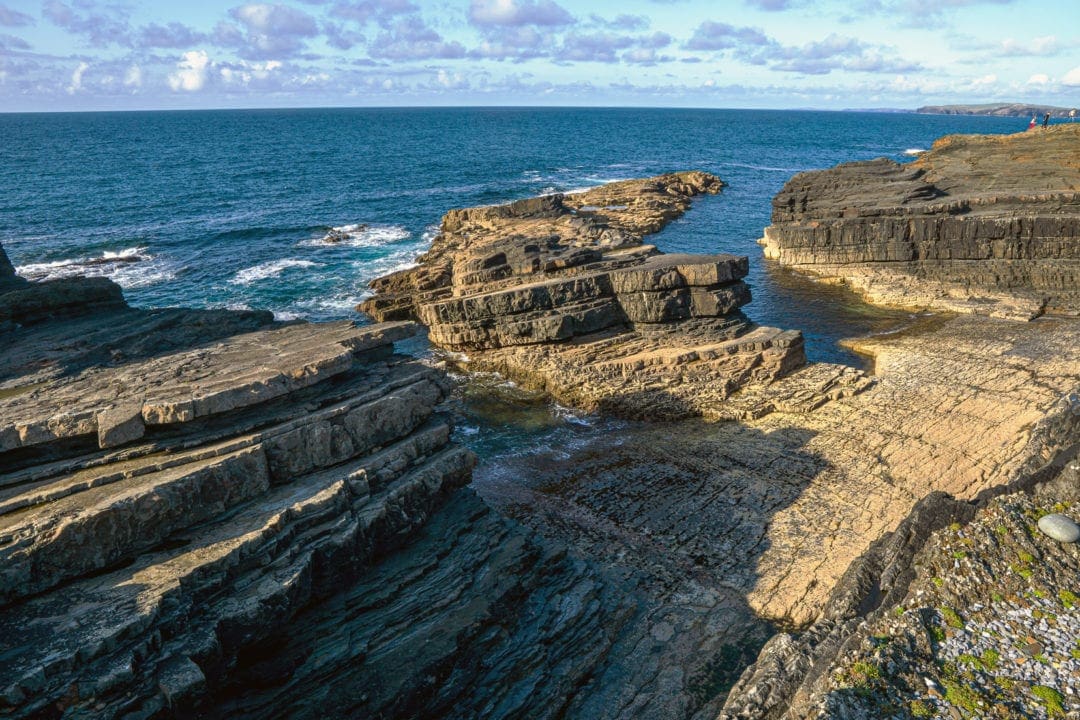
233, 208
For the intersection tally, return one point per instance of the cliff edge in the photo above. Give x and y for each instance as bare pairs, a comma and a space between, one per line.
986, 224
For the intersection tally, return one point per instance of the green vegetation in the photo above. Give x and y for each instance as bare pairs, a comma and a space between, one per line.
955, 527
866, 671
920, 709
959, 555
1025, 557
937, 634
962, 697
1068, 599
1021, 571
937, 581
1002, 530
996, 597
1051, 698
990, 658
952, 618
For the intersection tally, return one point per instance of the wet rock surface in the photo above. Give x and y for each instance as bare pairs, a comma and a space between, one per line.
983, 224
560, 293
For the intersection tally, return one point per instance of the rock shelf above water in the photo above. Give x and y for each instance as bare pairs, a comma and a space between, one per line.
560, 293
985, 224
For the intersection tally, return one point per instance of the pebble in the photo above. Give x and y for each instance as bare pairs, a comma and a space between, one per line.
1059, 527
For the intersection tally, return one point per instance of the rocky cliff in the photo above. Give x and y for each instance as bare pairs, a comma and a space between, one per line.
561, 294
980, 223
210, 514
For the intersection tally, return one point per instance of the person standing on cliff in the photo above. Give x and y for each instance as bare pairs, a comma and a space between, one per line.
1046, 119
1034, 122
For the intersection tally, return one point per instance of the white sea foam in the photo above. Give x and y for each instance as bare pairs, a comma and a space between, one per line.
130, 268
914, 151
330, 305
269, 270
360, 235
569, 416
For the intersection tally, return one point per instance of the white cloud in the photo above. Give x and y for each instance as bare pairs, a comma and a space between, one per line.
244, 72
451, 80
133, 77
76, 78
1039, 79
1072, 77
190, 72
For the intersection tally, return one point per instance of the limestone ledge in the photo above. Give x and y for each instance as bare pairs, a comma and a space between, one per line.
177, 485
979, 224
561, 294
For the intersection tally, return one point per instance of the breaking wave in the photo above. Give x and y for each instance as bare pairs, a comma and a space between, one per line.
269, 270
130, 268
360, 235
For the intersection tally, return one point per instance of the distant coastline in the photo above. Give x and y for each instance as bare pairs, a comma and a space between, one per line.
996, 109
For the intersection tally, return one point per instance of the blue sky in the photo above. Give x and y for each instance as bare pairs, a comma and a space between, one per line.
112, 54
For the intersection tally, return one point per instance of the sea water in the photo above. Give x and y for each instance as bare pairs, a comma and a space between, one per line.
296, 211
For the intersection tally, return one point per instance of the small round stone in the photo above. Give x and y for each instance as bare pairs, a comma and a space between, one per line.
1060, 527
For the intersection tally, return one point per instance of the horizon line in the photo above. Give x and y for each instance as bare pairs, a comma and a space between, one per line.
506, 107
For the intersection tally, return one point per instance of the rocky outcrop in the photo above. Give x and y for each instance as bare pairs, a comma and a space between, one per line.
966, 608
164, 509
210, 514
981, 223
770, 511
560, 294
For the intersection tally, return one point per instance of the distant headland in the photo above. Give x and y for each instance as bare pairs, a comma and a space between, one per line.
998, 109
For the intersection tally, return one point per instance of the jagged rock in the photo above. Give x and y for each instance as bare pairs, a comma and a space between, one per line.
985, 224
985, 616
560, 294
8, 278
209, 514
1061, 528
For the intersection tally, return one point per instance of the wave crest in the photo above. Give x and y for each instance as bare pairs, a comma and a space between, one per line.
267, 270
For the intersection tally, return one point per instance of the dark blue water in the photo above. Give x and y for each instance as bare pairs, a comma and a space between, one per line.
230, 208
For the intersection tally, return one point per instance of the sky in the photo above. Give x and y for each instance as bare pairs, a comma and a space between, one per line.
70, 55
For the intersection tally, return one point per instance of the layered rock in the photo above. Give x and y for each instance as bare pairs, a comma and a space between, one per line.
163, 509
560, 293
206, 513
981, 223
966, 608
770, 511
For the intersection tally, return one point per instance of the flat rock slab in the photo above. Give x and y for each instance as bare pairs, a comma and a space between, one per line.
778, 503
117, 402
